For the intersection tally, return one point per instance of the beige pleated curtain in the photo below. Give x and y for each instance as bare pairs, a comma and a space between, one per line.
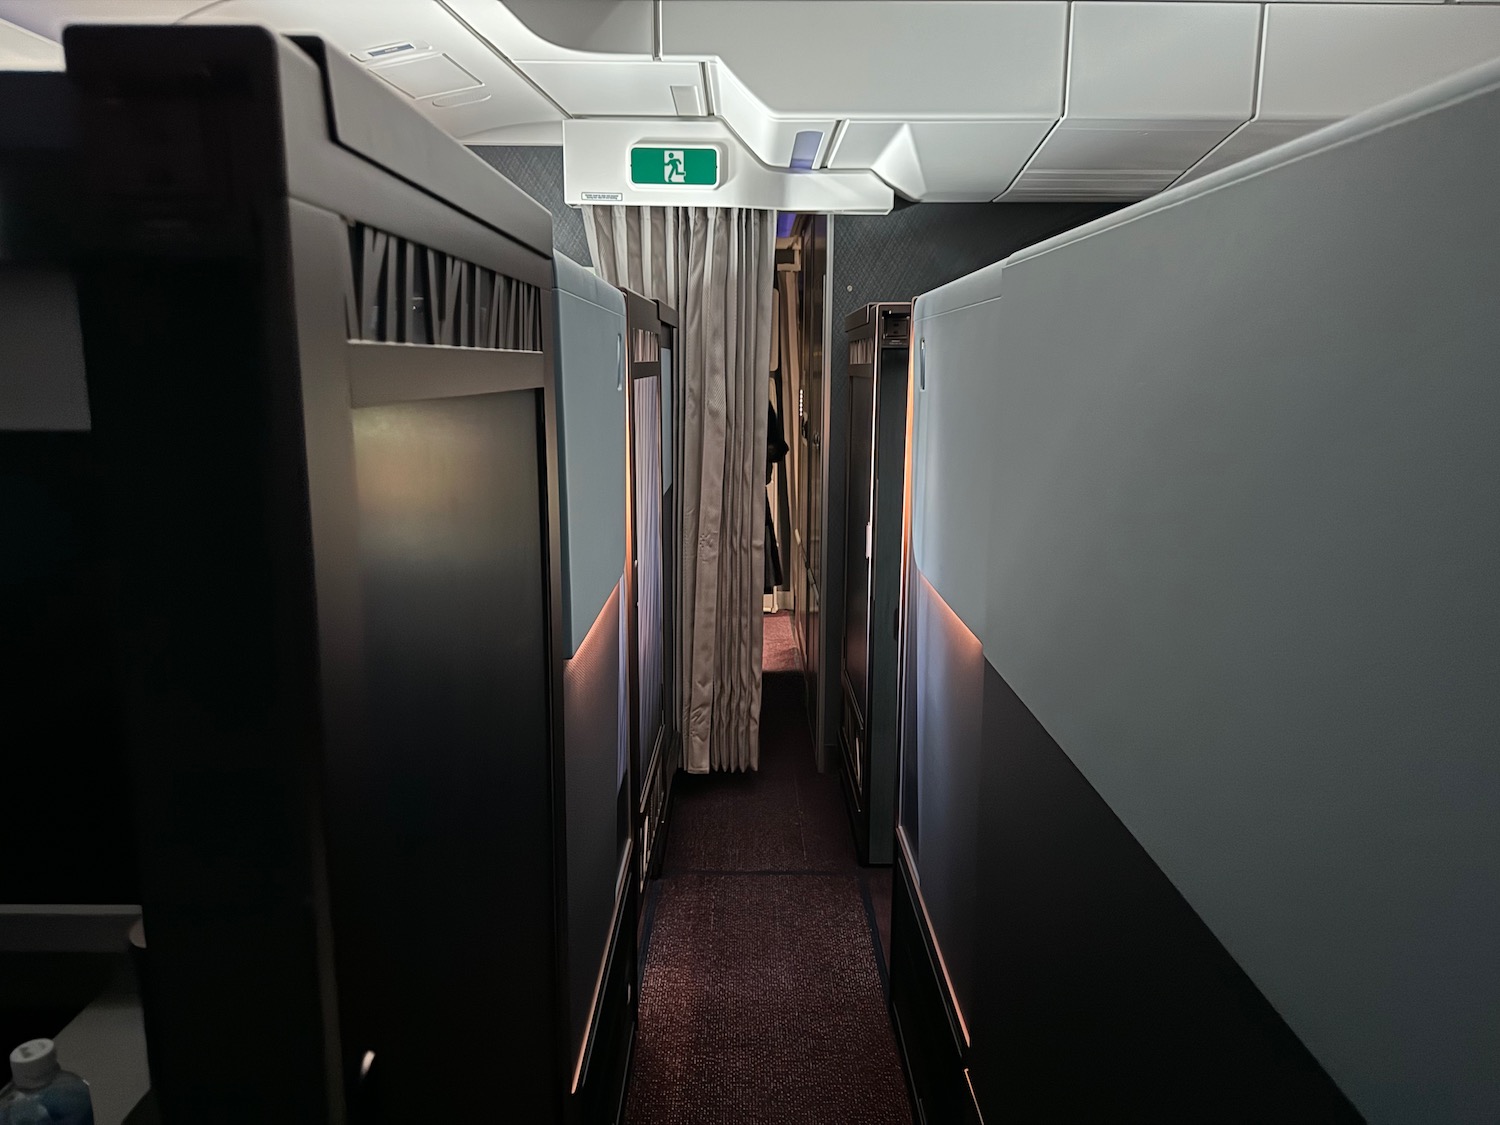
716, 267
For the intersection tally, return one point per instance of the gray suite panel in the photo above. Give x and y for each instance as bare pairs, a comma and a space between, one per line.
591, 408
1215, 483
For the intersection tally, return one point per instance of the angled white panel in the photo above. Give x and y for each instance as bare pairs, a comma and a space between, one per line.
581, 33
768, 136
902, 58
21, 49
614, 26
1328, 61
512, 103
973, 161
1173, 61
1250, 139
942, 161
887, 149
605, 88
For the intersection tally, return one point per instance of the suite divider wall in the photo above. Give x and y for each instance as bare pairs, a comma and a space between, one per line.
874, 490
656, 693
364, 440
1199, 795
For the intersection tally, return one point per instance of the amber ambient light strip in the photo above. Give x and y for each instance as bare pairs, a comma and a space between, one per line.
937, 948
609, 951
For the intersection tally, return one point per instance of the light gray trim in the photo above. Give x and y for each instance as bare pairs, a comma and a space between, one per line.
622, 884
384, 373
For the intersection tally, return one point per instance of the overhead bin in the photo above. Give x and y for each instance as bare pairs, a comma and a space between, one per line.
1322, 63
1152, 87
1199, 783
357, 428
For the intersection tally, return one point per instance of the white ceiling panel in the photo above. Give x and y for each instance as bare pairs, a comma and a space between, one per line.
911, 59
1328, 61
608, 88
941, 161
1250, 139
1177, 61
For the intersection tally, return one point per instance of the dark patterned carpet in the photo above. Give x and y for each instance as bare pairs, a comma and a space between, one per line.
763, 1001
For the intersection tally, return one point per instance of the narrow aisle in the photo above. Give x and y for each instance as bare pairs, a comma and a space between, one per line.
763, 999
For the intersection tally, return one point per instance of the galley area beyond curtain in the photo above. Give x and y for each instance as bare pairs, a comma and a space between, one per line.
716, 267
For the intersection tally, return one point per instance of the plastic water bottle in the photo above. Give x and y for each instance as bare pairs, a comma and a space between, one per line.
41, 1092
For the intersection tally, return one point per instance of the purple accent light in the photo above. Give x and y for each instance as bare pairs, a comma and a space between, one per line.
805, 149
784, 222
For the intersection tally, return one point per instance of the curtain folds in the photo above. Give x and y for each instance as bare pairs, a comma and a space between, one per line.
716, 267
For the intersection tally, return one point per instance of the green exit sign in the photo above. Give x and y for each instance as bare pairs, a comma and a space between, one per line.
694, 167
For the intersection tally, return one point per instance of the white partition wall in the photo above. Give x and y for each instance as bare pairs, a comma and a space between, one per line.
1212, 484
591, 443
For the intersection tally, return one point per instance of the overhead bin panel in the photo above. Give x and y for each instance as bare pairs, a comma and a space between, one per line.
1163, 61
1330, 61
614, 88
941, 161
874, 60
618, 27
1152, 88
769, 137
1324, 62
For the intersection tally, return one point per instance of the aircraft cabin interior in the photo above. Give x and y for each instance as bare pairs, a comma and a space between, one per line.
749, 562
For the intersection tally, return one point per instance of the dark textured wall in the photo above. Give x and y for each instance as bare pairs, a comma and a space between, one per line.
897, 257
538, 171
